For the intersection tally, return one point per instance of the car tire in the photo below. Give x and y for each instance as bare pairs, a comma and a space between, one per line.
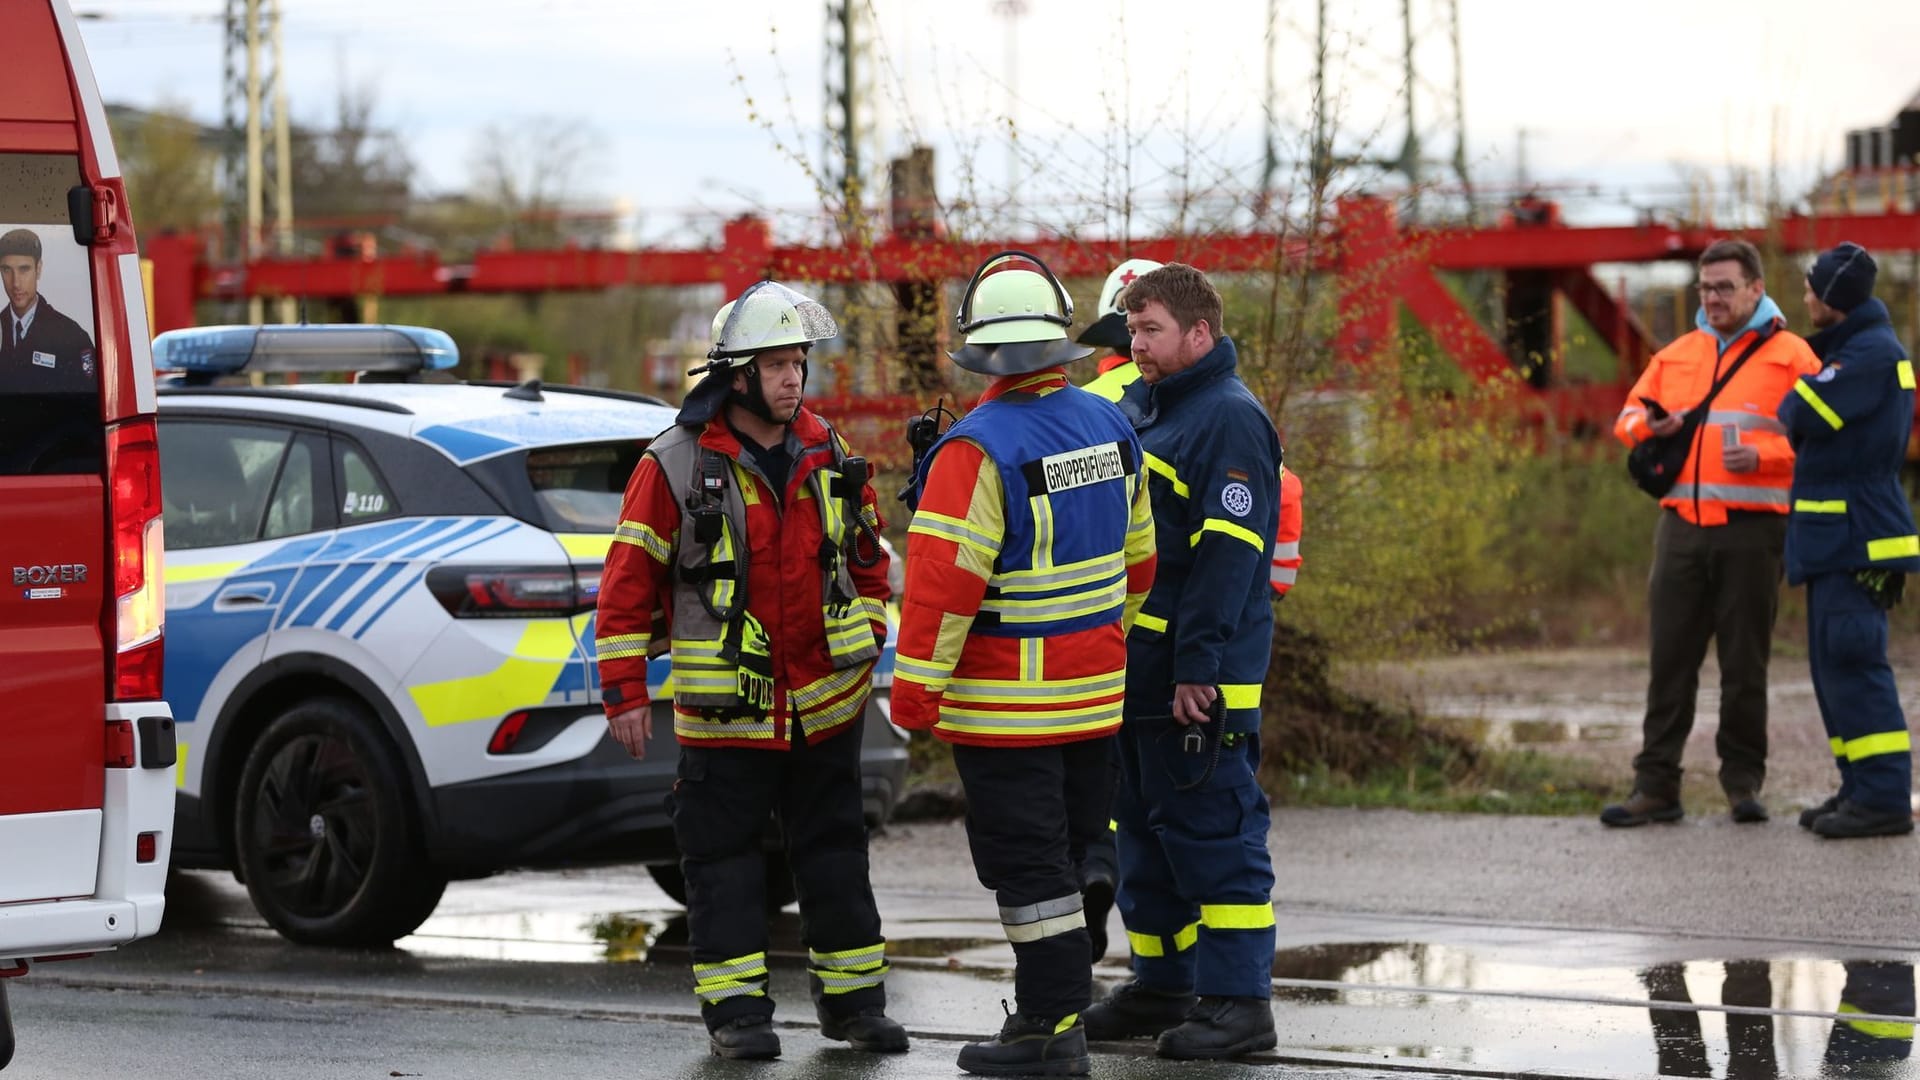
325, 834
780, 890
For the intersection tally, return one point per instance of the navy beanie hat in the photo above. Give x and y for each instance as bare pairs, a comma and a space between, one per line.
1842, 278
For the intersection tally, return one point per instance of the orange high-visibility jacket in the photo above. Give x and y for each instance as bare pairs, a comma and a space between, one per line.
1286, 540
1679, 376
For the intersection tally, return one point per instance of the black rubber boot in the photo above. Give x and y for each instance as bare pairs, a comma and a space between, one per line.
1030, 1046
745, 1038
869, 1030
1221, 1027
1852, 820
1814, 813
1133, 1011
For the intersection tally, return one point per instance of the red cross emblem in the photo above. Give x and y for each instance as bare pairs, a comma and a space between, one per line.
1127, 278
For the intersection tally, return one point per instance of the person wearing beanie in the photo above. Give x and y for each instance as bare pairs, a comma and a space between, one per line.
1851, 539
41, 350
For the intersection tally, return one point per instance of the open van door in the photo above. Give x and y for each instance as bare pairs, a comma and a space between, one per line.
87, 755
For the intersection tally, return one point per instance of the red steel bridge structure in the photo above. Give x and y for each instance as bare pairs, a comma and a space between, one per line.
1377, 262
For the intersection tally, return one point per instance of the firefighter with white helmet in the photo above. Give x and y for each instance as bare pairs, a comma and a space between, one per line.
1030, 550
772, 660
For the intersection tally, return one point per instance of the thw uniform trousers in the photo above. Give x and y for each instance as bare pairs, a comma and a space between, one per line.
1859, 704
1196, 879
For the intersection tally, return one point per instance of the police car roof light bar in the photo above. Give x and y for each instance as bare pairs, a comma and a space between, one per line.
229, 350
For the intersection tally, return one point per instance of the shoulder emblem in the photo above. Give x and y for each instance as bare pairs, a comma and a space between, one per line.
1237, 499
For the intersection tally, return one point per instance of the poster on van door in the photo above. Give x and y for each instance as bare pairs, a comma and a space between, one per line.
46, 329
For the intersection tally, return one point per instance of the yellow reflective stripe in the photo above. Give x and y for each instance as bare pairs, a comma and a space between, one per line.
1156, 944
849, 958
1238, 532
1820, 506
1893, 547
1150, 622
1241, 695
177, 574
1805, 390
1166, 472
1060, 576
1066, 1022
846, 982
1905, 370
954, 529
586, 545
526, 676
1236, 916
618, 646
700, 727
1014, 726
1839, 746
1018, 691
641, 535
1880, 742
1113, 594
1876, 1029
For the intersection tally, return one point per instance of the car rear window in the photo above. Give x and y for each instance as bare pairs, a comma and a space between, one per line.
49, 382
579, 487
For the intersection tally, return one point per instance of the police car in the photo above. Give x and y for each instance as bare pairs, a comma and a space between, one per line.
380, 605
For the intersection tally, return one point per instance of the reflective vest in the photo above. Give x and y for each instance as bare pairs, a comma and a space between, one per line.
722, 657
1069, 468
1679, 377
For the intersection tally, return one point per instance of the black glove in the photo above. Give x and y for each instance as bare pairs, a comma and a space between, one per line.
1885, 586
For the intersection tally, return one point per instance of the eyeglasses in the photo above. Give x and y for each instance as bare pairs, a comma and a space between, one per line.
1721, 289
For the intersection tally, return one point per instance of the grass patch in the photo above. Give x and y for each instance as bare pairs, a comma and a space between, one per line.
1487, 782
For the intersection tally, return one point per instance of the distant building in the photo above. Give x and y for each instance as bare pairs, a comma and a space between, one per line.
1882, 172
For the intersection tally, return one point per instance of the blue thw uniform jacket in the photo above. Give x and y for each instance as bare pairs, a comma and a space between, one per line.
1849, 426
1213, 471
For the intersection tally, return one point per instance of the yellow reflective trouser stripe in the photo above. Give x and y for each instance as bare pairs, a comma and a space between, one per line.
1880, 742
1156, 944
641, 535
616, 646
1238, 532
1905, 370
954, 529
1236, 916
1876, 1029
1048, 918
1839, 746
1805, 390
731, 978
1241, 695
1893, 547
1150, 622
849, 969
1820, 506
1166, 472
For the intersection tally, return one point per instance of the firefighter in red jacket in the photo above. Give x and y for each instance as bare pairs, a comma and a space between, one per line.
747, 545
1031, 548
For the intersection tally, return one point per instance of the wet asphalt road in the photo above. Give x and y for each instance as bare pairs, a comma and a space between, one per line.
1429, 943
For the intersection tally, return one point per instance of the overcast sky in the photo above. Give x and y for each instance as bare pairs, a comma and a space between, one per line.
1619, 95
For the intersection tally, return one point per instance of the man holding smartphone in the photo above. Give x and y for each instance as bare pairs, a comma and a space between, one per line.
1717, 548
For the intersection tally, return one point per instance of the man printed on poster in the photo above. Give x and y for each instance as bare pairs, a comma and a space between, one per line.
41, 350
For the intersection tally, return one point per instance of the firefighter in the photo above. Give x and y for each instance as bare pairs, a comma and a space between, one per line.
1851, 538
1196, 879
1030, 550
747, 545
1117, 372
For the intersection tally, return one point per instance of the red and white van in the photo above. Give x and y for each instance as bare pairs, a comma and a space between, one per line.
87, 757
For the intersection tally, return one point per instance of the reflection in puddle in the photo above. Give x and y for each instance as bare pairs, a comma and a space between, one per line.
565, 937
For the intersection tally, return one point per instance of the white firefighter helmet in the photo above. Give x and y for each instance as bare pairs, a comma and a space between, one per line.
1015, 315
767, 316
1109, 329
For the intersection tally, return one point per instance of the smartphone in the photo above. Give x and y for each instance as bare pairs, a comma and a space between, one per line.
1654, 408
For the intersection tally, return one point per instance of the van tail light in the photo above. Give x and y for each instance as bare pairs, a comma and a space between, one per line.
133, 486
483, 592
